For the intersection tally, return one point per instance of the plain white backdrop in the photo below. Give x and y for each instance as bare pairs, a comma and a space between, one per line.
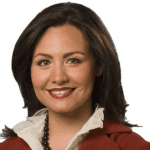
128, 22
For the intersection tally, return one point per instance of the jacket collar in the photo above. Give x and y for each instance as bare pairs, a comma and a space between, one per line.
111, 127
31, 130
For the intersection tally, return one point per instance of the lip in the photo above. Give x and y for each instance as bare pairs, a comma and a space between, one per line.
61, 89
64, 95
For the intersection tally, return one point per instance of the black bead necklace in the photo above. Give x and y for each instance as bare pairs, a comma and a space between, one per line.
45, 135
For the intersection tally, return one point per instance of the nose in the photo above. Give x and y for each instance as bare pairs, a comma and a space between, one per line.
59, 75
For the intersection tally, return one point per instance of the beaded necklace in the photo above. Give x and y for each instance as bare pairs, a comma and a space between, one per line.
45, 135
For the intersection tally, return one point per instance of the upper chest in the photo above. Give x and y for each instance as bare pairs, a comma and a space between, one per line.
59, 142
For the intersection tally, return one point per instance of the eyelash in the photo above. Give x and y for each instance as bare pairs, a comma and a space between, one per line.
39, 63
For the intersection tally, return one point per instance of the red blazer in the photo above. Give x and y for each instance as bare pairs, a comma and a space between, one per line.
112, 137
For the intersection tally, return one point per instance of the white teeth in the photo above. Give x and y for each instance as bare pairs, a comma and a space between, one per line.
61, 92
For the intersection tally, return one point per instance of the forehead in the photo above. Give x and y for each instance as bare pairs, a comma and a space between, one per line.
63, 37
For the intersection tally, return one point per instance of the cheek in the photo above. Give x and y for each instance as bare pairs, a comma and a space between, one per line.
84, 75
38, 78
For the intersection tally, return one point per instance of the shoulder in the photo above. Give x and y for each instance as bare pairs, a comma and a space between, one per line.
130, 141
125, 137
114, 136
14, 143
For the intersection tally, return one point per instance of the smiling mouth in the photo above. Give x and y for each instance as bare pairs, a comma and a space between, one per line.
61, 95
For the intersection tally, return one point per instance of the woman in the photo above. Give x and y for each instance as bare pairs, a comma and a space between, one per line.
88, 112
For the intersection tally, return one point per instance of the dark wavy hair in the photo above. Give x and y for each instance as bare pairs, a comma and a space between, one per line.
107, 90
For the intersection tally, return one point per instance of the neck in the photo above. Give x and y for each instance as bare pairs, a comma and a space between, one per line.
69, 122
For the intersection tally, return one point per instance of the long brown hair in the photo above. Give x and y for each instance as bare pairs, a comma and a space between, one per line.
107, 89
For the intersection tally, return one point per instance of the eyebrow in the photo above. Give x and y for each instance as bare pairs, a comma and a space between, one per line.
64, 56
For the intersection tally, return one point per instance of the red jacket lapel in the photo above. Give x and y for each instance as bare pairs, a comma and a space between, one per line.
15, 143
113, 136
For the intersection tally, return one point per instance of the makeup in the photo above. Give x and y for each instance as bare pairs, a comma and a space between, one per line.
61, 96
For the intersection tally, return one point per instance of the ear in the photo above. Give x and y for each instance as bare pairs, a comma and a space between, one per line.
99, 70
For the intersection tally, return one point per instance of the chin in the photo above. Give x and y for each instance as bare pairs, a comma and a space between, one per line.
63, 110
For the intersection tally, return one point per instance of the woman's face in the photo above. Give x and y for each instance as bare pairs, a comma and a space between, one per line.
50, 69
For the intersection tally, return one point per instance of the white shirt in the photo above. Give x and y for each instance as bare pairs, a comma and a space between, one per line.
31, 130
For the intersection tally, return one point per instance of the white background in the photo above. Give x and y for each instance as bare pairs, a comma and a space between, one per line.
127, 21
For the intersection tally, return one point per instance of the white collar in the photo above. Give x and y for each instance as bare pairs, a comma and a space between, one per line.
31, 130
